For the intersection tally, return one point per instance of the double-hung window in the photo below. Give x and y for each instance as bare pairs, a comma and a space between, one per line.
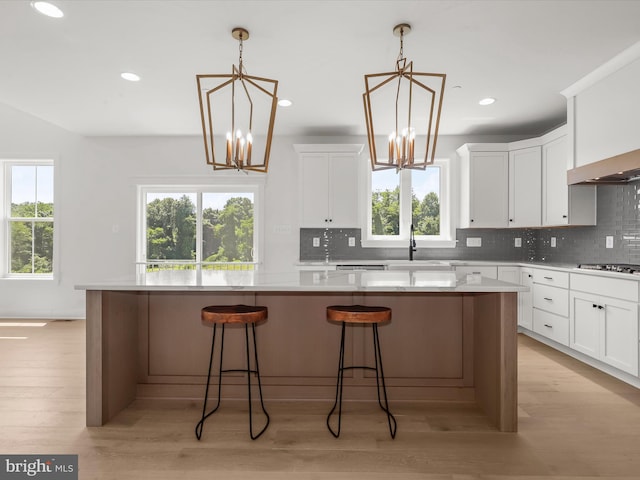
398, 200
192, 227
28, 214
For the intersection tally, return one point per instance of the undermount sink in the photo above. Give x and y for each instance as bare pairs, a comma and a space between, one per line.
419, 265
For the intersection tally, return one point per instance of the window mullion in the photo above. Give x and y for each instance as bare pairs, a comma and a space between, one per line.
405, 202
199, 227
33, 246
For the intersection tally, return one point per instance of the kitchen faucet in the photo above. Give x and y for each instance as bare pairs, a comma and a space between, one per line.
412, 243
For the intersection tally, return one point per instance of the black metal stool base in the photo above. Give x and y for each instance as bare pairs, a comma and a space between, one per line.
379, 383
248, 371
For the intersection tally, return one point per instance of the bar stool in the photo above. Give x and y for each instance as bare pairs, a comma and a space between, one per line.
233, 314
353, 314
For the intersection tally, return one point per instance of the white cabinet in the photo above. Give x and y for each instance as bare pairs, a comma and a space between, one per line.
602, 109
603, 327
525, 187
329, 183
522, 184
561, 204
550, 299
484, 188
521, 276
525, 300
508, 273
483, 270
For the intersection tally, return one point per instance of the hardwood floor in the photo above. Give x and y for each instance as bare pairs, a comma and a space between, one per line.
575, 423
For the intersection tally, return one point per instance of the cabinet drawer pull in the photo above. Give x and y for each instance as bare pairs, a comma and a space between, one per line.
548, 278
548, 299
548, 326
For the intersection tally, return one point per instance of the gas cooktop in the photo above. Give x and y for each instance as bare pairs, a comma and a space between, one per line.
612, 267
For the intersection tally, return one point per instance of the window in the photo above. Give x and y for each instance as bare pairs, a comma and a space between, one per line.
199, 227
29, 219
397, 200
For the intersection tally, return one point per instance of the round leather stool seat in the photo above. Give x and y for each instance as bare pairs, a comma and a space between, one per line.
358, 314
233, 314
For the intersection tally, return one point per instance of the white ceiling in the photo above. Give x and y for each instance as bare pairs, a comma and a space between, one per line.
522, 52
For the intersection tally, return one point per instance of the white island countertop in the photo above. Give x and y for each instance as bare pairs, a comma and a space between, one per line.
307, 281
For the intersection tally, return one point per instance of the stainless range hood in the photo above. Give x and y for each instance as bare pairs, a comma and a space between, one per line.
616, 170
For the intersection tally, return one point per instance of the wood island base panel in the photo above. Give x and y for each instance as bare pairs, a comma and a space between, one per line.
454, 341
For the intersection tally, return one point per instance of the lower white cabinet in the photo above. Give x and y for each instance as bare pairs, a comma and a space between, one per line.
525, 300
550, 299
606, 329
485, 271
550, 325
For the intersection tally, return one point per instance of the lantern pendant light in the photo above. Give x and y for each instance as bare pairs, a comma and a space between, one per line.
241, 107
405, 107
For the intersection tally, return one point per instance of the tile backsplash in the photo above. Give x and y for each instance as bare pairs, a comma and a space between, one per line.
617, 212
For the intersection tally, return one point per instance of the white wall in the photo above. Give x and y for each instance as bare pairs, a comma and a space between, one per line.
24, 136
95, 197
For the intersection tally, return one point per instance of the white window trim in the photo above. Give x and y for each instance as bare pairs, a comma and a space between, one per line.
446, 239
6, 162
256, 188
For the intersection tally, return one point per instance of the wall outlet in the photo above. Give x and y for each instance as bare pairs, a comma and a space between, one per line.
517, 242
609, 241
352, 241
553, 242
474, 241
316, 241
282, 229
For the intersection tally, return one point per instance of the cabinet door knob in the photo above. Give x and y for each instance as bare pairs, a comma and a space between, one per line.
472, 219
511, 219
564, 216
595, 306
600, 307
530, 276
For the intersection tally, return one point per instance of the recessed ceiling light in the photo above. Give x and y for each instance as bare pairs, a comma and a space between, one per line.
487, 101
48, 9
132, 77
285, 103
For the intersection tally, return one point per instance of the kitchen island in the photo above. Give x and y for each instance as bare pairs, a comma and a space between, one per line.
451, 338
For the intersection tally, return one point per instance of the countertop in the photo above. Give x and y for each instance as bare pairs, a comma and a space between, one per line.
307, 281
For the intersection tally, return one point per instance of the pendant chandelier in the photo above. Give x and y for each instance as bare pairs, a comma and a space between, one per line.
243, 108
405, 106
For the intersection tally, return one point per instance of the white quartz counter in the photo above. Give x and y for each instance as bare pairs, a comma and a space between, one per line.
308, 281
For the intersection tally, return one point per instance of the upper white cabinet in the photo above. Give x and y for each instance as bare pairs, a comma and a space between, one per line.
602, 110
522, 184
329, 185
563, 204
525, 187
484, 192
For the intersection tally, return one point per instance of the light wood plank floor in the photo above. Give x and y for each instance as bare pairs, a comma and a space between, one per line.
575, 423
